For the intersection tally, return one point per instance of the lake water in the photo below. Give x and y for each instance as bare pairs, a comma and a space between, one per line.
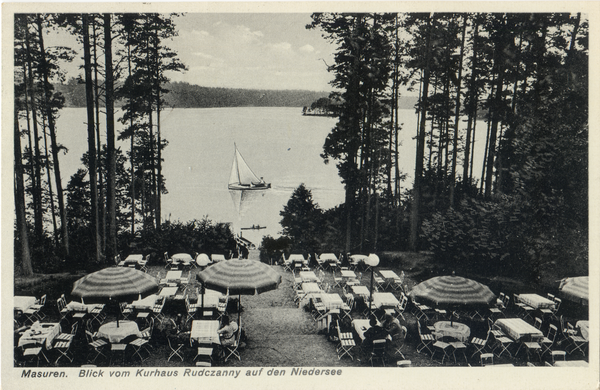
279, 144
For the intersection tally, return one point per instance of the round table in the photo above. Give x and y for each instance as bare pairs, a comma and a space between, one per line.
115, 334
455, 330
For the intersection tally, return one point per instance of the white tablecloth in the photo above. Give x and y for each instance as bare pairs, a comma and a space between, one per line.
388, 274
210, 300
133, 259
146, 303
348, 274
385, 300
308, 276
168, 291
332, 301
455, 330
361, 326
517, 329
115, 334
363, 291
173, 275
23, 303
40, 333
182, 258
205, 332
536, 301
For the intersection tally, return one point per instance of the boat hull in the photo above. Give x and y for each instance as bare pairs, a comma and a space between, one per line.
250, 187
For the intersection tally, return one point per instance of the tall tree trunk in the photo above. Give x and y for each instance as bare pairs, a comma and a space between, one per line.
457, 113
26, 266
89, 97
101, 195
491, 154
132, 143
472, 110
416, 204
159, 143
37, 182
50, 192
110, 141
55, 149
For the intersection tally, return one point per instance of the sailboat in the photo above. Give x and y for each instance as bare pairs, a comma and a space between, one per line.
242, 177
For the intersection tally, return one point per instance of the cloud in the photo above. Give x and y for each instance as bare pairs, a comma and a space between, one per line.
282, 46
307, 48
203, 55
201, 32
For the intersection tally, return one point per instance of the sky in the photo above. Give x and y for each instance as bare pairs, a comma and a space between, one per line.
261, 51
242, 50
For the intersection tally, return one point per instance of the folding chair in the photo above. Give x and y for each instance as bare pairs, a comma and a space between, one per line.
378, 351
139, 345
485, 357
442, 347
501, 342
158, 308
63, 310
232, 350
459, 346
427, 340
554, 354
480, 344
31, 353
532, 347
64, 349
577, 342
96, 346
345, 343
98, 314
318, 308
117, 348
205, 353
175, 351
68, 336
398, 340
143, 264
401, 307
337, 280
126, 310
190, 309
168, 261
537, 323
548, 341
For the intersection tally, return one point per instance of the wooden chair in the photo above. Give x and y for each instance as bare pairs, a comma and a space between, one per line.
426, 339
95, 345
175, 350
378, 351
345, 343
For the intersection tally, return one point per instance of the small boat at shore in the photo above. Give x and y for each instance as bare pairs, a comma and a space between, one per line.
242, 177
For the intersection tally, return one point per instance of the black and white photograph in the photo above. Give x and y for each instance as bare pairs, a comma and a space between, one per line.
300, 195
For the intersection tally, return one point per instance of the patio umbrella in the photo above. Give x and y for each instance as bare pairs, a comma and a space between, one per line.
240, 277
453, 291
575, 289
114, 285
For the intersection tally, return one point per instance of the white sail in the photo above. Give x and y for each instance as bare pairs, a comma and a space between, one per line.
242, 177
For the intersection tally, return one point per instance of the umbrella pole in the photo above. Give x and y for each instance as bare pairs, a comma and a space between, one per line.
239, 307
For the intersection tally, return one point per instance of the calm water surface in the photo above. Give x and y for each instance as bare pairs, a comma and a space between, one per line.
279, 144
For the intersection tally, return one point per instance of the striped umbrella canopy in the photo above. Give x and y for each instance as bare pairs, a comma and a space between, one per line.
453, 291
240, 277
575, 289
114, 284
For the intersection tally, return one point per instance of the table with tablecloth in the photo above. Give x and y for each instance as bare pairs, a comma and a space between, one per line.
81, 307
133, 259
584, 329
168, 291
205, 332
173, 276
332, 301
145, 303
23, 303
389, 276
517, 329
308, 276
309, 289
536, 301
327, 258
115, 334
182, 258
385, 300
361, 291
296, 259
348, 274
210, 300
456, 330
40, 333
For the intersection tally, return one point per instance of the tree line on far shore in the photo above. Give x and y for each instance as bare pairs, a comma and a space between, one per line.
186, 95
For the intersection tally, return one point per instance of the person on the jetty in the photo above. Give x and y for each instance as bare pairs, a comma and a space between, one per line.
228, 331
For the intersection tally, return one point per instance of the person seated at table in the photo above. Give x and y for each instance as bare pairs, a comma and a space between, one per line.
395, 330
375, 332
228, 331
